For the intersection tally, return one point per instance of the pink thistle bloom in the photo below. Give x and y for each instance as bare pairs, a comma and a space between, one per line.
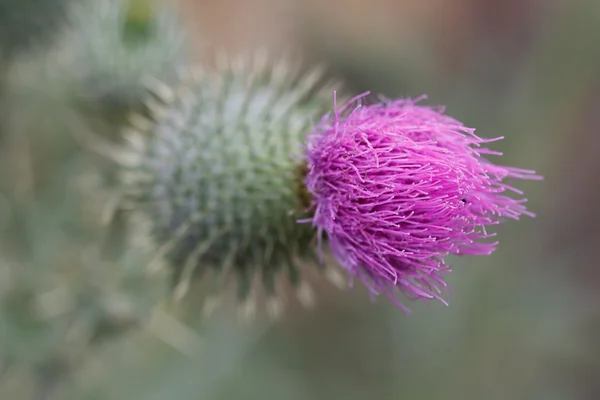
397, 187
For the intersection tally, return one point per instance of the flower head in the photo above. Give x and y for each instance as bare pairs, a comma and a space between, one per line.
397, 187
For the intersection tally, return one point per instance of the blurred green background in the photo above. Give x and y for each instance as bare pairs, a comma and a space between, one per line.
523, 323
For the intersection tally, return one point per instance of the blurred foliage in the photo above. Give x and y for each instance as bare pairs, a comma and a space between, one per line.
104, 51
61, 293
29, 24
520, 324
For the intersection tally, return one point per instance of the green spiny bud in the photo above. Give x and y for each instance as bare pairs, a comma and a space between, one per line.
218, 171
111, 44
139, 21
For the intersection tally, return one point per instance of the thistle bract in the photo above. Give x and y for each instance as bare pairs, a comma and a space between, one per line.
219, 172
397, 187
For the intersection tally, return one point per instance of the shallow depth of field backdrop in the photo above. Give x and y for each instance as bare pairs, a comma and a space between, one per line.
523, 323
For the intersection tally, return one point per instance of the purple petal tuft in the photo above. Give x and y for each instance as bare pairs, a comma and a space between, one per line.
397, 187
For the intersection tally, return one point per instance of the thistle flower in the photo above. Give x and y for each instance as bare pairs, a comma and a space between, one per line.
397, 187
218, 171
